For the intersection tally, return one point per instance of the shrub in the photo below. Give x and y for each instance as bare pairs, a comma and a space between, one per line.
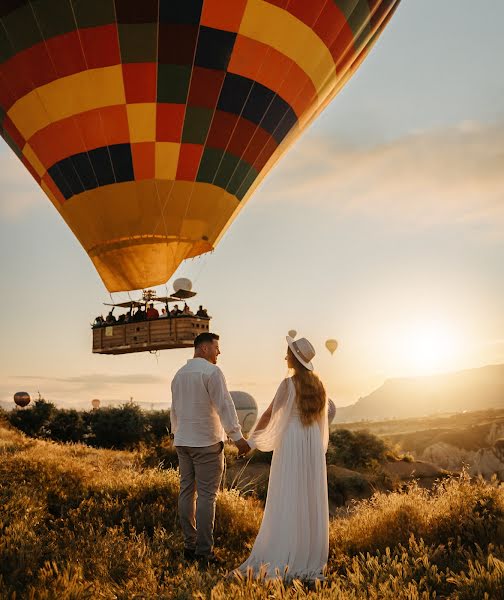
355, 449
34, 420
122, 427
66, 426
158, 425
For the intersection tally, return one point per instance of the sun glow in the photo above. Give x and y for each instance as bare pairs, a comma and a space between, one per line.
428, 347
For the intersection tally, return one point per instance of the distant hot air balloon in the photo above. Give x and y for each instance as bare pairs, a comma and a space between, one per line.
331, 345
246, 409
292, 333
182, 284
22, 399
150, 124
95, 403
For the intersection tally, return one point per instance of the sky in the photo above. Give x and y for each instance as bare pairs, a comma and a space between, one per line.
381, 227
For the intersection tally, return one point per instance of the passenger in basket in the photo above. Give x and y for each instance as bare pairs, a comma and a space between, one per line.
152, 313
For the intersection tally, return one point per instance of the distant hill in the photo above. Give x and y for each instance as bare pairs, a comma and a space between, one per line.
472, 389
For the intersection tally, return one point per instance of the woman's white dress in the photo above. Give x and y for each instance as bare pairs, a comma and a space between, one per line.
293, 540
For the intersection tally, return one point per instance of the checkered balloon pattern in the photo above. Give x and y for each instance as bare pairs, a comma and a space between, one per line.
148, 123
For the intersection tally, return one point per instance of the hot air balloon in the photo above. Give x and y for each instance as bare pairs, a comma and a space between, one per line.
246, 409
182, 284
149, 124
292, 333
331, 345
22, 399
95, 403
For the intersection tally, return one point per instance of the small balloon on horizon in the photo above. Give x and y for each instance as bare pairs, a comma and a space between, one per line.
332, 346
22, 399
292, 333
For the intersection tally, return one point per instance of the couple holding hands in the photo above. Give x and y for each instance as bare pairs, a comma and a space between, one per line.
293, 540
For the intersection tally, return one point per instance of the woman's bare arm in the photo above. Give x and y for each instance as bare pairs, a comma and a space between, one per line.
265, 417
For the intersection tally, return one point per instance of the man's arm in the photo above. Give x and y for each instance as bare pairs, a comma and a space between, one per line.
173, 415
224, 406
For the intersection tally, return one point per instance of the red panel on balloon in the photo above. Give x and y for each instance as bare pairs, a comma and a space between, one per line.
140, 82
169, 122
101, 46
57, 141
189, 160
66, 54
205, 87
28, 70
221, 130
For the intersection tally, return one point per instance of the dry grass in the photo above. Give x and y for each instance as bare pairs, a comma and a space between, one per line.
78, 523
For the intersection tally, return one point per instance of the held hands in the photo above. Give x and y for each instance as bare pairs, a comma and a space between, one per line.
243, 447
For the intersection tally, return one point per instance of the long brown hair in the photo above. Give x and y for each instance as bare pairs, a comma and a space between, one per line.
310, 391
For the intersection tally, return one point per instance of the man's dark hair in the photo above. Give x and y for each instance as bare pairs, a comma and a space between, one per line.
205, 337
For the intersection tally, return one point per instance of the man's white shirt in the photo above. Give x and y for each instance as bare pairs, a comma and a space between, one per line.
202, 410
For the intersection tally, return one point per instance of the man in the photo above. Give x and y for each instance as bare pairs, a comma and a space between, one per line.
152, 313
202, 412
175, 311
202, 312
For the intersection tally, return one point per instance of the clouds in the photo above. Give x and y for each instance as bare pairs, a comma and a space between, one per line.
450, 175
19, 192
94, 378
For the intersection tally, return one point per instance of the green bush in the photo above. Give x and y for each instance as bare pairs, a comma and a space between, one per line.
67, 426
355, 449
118, 427
35, 420
158, 425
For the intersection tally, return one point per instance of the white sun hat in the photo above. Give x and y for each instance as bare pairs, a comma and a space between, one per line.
302, 350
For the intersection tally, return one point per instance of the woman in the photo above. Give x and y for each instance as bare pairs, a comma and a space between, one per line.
293, 541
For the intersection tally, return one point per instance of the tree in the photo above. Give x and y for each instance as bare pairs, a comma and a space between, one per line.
121, 428
67, 426
35, 420
356, 449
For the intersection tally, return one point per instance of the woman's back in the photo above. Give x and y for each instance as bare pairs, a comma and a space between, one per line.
294, 533
295, 529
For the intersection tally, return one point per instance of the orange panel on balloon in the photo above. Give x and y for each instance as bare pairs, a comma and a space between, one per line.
144, 159
223, 14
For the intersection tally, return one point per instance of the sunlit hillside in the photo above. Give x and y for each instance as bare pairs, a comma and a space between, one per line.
399, 398
78, 522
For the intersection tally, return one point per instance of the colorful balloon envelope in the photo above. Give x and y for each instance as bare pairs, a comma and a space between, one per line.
22, 399
149, 123
331, 345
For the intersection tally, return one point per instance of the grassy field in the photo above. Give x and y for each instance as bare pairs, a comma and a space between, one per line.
77, 522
